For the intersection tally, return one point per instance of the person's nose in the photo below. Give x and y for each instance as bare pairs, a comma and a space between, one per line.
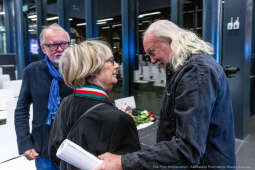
60, 49
116, 64
153, 61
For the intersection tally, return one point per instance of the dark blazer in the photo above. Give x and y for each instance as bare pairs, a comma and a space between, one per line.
35, 90
104, 129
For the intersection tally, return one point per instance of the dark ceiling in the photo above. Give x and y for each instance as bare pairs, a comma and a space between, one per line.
109, 8
112, 8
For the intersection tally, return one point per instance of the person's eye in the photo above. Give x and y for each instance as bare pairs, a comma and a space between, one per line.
151, 53
53, 45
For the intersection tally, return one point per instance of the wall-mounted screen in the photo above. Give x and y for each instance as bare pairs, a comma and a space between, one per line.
34, 46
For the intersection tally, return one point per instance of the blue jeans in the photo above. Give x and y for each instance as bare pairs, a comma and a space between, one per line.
45, 164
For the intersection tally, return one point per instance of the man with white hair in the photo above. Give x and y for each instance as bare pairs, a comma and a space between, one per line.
196, 128
43, 86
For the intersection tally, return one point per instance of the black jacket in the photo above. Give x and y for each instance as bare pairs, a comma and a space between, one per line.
196, 128
35, 90
104, 129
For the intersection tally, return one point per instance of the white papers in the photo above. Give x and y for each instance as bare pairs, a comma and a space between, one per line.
130, 101
77, 156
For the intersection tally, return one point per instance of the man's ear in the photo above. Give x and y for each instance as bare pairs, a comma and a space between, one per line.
170, 41
43, 48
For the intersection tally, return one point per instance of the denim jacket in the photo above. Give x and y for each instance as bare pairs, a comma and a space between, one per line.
196, 128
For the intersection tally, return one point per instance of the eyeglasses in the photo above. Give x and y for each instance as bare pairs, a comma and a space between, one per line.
55, 46
110, 60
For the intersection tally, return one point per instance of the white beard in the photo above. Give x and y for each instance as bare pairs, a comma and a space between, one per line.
56, 60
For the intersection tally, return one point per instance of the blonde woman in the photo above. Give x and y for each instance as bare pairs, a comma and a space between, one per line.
89, 68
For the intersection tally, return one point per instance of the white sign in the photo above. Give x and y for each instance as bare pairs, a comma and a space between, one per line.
130, 101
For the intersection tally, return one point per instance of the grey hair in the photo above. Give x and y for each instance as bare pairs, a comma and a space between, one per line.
54, 26
183, 42
83, 61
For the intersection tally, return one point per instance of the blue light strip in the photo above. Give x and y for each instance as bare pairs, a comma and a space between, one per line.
128, 10
91, 28
19, 37
63, 13
212, 25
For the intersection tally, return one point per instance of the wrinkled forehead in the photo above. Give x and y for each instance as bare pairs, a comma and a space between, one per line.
55, 36
150, 40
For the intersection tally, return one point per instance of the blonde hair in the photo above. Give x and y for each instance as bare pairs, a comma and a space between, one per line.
184, 43
80, 62
54, 27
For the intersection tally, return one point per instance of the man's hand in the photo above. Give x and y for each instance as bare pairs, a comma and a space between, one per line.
127, 109
110, 162
31, 154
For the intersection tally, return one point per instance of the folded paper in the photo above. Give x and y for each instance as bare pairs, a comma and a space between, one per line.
75, 155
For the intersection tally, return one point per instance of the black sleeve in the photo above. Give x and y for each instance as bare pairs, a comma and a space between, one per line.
126, 134
194, 99
21, 117
58, 132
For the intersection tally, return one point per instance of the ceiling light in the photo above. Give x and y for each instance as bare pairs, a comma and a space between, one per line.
81, 24
32, 16
2, 13
52, 18
105, 27
34, 25
146, 21
103, 20
116, 25
100, 23
149, 14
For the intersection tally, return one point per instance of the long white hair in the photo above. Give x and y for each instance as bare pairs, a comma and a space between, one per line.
183, 42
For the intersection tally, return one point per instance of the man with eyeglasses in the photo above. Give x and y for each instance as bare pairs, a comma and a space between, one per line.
43, 86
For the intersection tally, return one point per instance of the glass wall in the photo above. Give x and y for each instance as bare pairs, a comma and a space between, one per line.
193, 16
109, 26
2, 29
149, 79
76, 18
77, 21
30, 31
